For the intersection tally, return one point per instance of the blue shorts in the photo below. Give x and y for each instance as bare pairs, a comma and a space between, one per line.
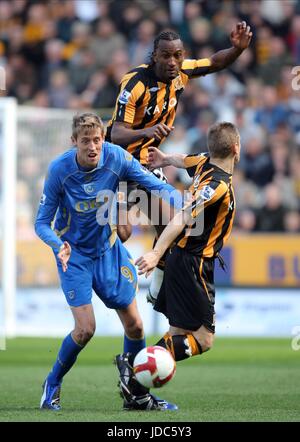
112, 276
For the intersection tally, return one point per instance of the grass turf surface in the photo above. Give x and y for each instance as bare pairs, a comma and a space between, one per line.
239, 380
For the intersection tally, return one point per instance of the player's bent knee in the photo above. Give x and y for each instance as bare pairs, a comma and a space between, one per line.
206, 343
134, 329
82, 335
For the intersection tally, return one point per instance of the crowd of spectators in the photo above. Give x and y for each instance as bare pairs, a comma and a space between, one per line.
72, 54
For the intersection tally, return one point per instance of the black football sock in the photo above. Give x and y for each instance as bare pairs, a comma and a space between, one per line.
180, 346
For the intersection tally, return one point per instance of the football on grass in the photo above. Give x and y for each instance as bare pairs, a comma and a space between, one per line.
154, 366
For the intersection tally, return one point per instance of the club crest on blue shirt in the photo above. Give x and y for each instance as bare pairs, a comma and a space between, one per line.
71, 294
89, 188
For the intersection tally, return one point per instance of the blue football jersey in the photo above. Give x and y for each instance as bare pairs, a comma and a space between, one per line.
78, 201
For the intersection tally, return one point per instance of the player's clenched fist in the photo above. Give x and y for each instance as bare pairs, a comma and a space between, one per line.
64, 255
158, 131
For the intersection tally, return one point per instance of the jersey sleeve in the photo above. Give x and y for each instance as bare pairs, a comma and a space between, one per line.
47, 209
134, 171
131, 90
192, 161
209, 193
196, 68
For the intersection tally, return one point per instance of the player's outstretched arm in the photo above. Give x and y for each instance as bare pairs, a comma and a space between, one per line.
149, 261
156, 158
64, 255
240, 38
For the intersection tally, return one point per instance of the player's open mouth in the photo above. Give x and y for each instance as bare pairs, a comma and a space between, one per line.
92, 155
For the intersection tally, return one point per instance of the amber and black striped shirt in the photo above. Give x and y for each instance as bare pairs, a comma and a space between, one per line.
212, 206
144, 101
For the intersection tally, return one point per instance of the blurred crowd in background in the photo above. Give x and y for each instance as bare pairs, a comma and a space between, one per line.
72, 55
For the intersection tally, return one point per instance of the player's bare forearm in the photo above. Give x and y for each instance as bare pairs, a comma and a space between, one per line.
221, 59
123, 134
149, 261
64, 255
176, 160
157, 158
170, 233
240, 38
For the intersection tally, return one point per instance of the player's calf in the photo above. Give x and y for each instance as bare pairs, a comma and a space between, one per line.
181, 346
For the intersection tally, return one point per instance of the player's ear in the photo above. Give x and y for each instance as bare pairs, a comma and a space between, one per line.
74, 141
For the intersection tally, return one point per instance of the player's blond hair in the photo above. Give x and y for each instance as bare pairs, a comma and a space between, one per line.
221, 137
86, 120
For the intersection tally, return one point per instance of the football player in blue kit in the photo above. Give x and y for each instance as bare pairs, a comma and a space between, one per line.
89, 255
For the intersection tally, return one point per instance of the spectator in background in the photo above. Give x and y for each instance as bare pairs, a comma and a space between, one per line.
271, 113
246, 192
106, 41
295, 173
140, 48
59, 90
127, 16
197, 135
270, 217
292, 222
81, 68
294, 39
53, 60
245, 221
99, 92
256, 162
66, 20
270, 71
80, 39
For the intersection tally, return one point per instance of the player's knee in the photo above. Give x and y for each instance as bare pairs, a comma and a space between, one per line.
84, 334
206, 342
134, 329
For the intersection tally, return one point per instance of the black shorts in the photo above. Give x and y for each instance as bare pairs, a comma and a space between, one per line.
187, 294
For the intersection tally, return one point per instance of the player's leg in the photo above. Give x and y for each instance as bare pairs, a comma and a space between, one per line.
134, 338
136, 397
187, 300
134, 341
115, 282
77, 286
183, 344
160, 213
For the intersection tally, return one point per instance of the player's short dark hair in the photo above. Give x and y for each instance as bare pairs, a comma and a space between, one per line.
86, 120
164, 35
220, 139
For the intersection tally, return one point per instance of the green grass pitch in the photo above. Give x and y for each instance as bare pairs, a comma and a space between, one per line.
238, 380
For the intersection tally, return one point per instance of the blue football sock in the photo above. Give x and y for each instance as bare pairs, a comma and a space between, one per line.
133, 346
66, 358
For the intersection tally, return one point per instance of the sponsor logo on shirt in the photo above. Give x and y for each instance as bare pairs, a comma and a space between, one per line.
206, 193
124, 96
